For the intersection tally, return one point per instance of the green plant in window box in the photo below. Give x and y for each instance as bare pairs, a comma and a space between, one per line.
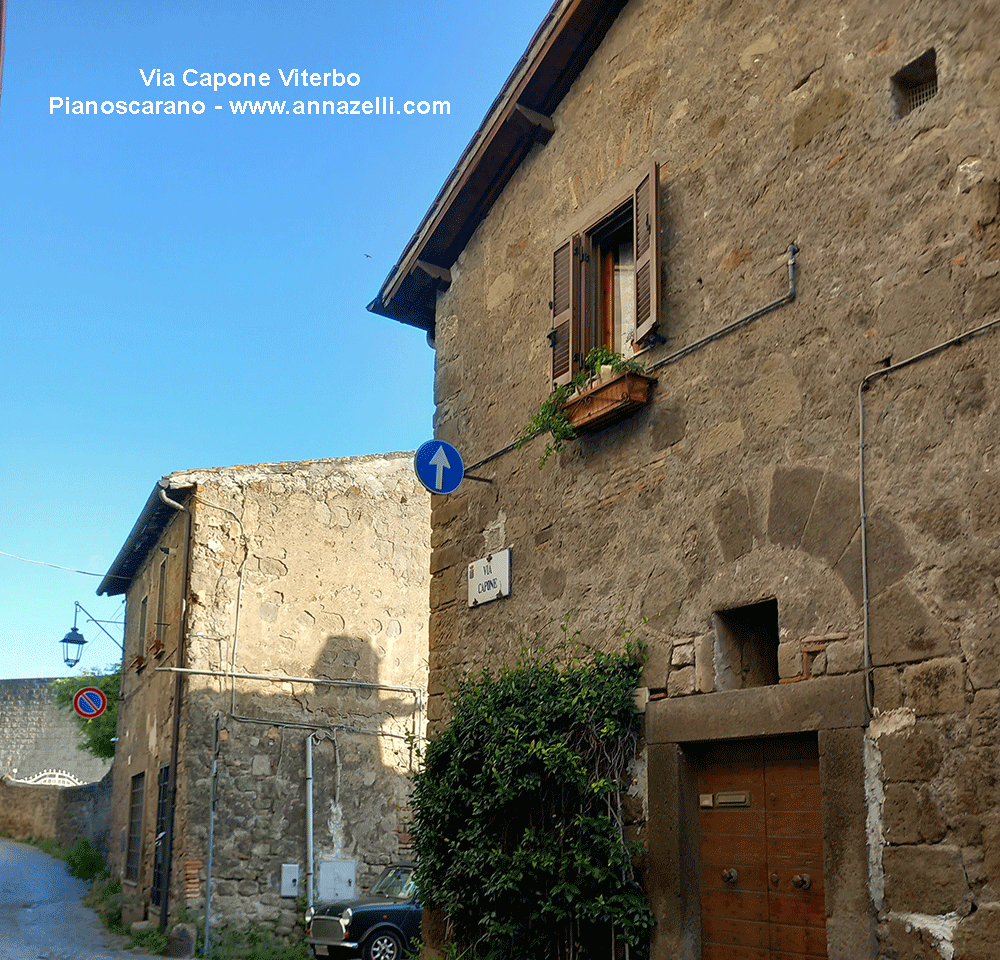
551, 417
619, 363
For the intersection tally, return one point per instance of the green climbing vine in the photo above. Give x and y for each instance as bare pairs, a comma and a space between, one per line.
517, 811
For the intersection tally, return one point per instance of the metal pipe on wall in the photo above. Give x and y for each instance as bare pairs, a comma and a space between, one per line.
168, 841
415, 692
736, 324
309, 820
213, 794
683, 351
862, 387
239, 585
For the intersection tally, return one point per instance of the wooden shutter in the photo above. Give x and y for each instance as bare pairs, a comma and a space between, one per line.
646, 217
565, 309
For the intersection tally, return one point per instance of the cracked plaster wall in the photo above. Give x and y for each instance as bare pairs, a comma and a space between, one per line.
327, 563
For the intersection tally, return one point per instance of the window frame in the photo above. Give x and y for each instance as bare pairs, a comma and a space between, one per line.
160, 837
133, 847
575, 277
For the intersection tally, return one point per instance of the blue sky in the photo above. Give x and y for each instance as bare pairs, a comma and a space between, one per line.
189, 291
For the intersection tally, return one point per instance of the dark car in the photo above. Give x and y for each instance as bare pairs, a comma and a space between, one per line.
383, 925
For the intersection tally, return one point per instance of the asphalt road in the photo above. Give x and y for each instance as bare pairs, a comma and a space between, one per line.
42, 916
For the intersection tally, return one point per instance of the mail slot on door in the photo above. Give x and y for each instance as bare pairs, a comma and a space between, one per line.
733, 798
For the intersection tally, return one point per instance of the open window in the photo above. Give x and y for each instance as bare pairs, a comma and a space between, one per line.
605, 288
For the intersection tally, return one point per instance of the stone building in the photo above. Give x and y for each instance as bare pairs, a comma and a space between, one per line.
788, 214
276, 659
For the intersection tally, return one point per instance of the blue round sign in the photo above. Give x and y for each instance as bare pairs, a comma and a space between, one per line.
439, 466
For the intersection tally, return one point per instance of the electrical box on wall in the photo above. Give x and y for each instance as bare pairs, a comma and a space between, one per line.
289, 879
336, 880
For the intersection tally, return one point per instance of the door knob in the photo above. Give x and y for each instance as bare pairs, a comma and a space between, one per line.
774, 879
802, 881
729, 876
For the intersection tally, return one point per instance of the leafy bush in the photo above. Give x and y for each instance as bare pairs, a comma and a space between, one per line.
517, 814
84, 861
150, 940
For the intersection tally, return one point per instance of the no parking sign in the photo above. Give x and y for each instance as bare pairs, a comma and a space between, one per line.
90, 702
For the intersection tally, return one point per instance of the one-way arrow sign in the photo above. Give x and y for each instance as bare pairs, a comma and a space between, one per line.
439, 466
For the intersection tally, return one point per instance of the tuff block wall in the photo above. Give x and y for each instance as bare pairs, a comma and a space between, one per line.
739, 483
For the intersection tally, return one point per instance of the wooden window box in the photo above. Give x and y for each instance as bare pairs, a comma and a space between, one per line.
608, 401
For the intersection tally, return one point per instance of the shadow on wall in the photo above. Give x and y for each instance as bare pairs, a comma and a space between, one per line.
362, 756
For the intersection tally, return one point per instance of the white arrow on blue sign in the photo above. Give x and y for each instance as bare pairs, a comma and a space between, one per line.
439, 466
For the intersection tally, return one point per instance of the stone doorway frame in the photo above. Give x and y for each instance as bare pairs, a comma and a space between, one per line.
833, 708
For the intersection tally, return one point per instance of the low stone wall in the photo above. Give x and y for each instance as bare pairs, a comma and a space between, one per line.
58, 813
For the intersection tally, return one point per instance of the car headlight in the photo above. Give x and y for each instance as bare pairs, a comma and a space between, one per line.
310, 913
346, 916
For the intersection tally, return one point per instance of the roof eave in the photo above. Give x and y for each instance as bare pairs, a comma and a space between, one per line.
145, 533
518, 119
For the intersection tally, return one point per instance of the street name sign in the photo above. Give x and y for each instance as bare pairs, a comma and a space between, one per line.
489, 578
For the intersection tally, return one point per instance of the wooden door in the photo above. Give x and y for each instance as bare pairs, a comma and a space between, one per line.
762, 889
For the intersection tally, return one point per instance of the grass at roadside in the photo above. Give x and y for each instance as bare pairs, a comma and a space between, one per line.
106, 898
252, 942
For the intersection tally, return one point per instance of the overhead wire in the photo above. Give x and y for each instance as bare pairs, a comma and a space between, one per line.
56, 566
42, 563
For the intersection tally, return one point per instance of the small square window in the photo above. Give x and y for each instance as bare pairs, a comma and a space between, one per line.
915, 84
746, 646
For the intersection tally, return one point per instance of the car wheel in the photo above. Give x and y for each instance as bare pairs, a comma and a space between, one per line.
384, 945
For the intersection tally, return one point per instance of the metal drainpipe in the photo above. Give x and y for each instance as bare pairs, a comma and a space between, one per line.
309, 820
862, 387
683, 352
211, 840
415, 692
736, 324
176, 732
239, 589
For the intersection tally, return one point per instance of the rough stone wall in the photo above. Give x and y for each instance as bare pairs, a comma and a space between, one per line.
66, 814
300, 570
334, 586
37, 737
772, 124
147, 701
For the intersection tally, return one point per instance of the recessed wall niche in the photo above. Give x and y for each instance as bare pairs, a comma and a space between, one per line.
746, 646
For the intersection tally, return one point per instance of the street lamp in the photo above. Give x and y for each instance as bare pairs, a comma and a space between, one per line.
73, 642
72, 645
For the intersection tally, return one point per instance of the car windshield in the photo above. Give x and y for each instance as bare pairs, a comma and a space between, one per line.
395, 882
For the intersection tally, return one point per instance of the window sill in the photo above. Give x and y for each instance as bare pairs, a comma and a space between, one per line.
608, 401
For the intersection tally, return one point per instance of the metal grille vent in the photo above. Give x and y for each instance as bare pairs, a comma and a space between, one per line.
915, 84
